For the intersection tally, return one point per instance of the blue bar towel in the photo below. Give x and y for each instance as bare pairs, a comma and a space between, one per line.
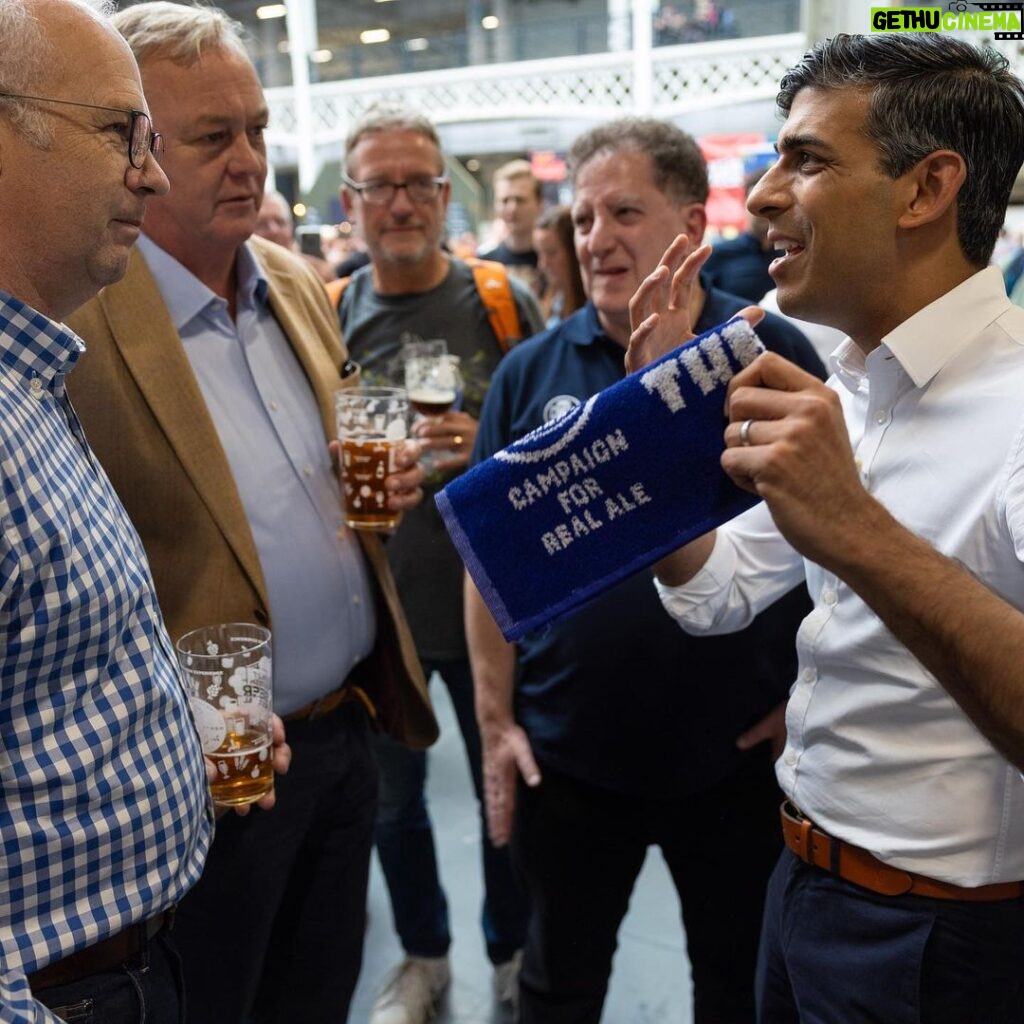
577, 505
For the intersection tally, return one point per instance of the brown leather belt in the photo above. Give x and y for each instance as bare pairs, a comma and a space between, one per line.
101, 956
329, 702
855, 865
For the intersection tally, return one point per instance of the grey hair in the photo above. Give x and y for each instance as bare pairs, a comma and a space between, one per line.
383, 117
282, 200
680, 171
180, 33
25, 56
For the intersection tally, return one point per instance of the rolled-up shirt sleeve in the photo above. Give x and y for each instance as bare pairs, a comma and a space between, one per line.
751, 565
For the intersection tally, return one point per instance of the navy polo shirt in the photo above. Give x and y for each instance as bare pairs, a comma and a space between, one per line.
618, 695
740, 266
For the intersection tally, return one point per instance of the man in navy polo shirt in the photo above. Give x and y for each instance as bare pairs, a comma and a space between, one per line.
626, 732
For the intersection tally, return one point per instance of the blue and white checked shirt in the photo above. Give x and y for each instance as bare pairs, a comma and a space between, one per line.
104, 818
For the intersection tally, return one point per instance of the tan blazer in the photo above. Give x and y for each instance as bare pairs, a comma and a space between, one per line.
146, 420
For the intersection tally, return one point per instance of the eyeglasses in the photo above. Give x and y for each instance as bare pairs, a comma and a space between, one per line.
142, 140
423, 189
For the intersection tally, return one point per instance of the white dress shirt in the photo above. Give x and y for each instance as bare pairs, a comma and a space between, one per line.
878, 753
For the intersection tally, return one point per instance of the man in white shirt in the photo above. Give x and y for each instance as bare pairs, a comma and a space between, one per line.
899, 896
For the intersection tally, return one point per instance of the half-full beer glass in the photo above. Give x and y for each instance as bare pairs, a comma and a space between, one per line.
372, 423
227, 669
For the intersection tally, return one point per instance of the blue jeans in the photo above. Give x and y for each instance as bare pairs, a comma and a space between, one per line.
144, 990
405, 842
833, 952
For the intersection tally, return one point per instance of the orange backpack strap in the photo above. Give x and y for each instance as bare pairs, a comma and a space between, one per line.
335, 290
492, 284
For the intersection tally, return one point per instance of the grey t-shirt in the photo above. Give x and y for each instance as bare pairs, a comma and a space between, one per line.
427, 568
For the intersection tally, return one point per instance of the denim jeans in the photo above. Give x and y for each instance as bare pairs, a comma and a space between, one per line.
144, 990
405, 842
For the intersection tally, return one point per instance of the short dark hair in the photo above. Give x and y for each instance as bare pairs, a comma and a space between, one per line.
679, 168
931, 92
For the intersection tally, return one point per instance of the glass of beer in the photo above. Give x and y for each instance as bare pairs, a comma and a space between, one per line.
434, 383
372, 423
227, 669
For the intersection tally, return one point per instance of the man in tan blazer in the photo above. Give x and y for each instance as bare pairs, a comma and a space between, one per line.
207, 389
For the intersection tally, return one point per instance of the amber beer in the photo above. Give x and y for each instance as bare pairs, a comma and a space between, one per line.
372, 423
365, 464
244, 768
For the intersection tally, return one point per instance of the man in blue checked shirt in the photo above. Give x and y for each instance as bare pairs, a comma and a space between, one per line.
104, 817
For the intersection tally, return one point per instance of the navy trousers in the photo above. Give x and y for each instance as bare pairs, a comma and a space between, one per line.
834, 953
580, 848
273, 931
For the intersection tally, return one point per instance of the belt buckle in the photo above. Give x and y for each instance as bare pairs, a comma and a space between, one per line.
801, 831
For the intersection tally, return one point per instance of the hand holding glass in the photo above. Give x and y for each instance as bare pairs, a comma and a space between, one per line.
372, 423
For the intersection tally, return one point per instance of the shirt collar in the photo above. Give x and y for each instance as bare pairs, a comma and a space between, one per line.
32, 344
924, 343
583, 327
186, 297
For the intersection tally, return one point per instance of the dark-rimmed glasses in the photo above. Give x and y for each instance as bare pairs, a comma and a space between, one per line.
422, 189
142, 140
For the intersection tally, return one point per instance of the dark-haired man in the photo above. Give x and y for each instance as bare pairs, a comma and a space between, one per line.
900, 896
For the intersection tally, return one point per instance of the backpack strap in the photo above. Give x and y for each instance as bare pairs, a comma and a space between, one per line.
495, 292
492, 285
335, 290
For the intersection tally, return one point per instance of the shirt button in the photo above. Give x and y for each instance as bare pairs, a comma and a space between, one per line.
830, 597
36, 387
790, 759
809, 675
273, 406
357, 600
307, 470
881, 416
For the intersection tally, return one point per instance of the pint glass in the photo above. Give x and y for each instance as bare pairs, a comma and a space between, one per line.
372, 423
227, 669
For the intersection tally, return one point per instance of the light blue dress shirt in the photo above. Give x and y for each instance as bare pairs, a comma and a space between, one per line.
266, 415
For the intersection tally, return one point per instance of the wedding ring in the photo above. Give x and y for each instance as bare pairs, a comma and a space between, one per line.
457, 440
745, 432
